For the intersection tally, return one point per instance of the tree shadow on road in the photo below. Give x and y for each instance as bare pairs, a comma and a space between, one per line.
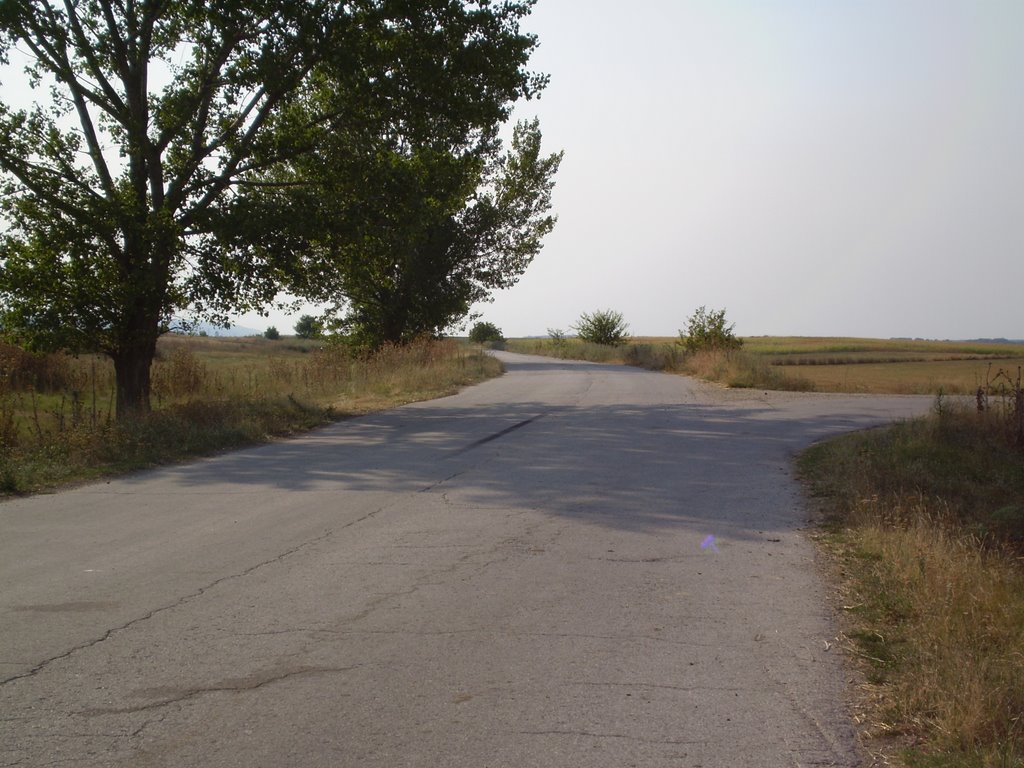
638, 467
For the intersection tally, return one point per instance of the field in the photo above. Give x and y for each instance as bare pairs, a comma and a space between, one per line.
817, 363
57, 420
897, 366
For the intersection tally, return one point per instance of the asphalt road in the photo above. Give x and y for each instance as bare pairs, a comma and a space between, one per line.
520, 575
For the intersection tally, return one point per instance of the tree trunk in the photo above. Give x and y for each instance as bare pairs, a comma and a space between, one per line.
393, 321
149, 247
132, 363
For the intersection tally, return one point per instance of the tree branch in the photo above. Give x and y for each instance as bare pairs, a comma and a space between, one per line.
275, 184
120, 53
70, 174
95, 70
23, 172
65, 73
223, 180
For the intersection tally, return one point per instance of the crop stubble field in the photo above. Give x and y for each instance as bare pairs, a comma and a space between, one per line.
890, 366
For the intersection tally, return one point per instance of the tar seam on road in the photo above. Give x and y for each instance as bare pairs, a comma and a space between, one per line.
496, 435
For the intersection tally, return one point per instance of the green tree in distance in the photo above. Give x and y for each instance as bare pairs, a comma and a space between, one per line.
124, 202
707, 330
604, 326
272, 333
308, 327
483, 332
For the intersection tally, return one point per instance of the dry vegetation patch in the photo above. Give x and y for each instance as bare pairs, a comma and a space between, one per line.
56, 411
925, 525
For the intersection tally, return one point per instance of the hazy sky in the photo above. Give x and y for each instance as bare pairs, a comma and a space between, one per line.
818, 167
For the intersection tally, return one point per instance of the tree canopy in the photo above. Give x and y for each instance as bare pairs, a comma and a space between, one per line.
308, 327
428, 232
483, 332
403, 235
134, 192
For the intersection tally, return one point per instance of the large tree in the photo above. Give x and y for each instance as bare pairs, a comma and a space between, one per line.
427, 230
128, 191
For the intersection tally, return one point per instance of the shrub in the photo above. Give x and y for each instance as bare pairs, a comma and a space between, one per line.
605, 327
24, 371
558, 342
706, 331
272, 333
484, 332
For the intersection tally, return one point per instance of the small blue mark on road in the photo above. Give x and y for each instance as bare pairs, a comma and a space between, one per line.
709, 543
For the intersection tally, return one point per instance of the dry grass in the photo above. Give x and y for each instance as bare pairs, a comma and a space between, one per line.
741, 369
568, 349
963, 681
926, 530
735, 368
56, 412
824, 364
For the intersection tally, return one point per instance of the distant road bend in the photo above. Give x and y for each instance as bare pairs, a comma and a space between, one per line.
520, 575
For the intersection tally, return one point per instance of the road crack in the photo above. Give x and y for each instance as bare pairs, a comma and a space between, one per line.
240, 685
186, 599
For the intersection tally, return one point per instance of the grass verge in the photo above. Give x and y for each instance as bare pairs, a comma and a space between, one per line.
924, 525
209, 395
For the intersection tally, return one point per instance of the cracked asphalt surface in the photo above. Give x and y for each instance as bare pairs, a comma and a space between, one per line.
513, 576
